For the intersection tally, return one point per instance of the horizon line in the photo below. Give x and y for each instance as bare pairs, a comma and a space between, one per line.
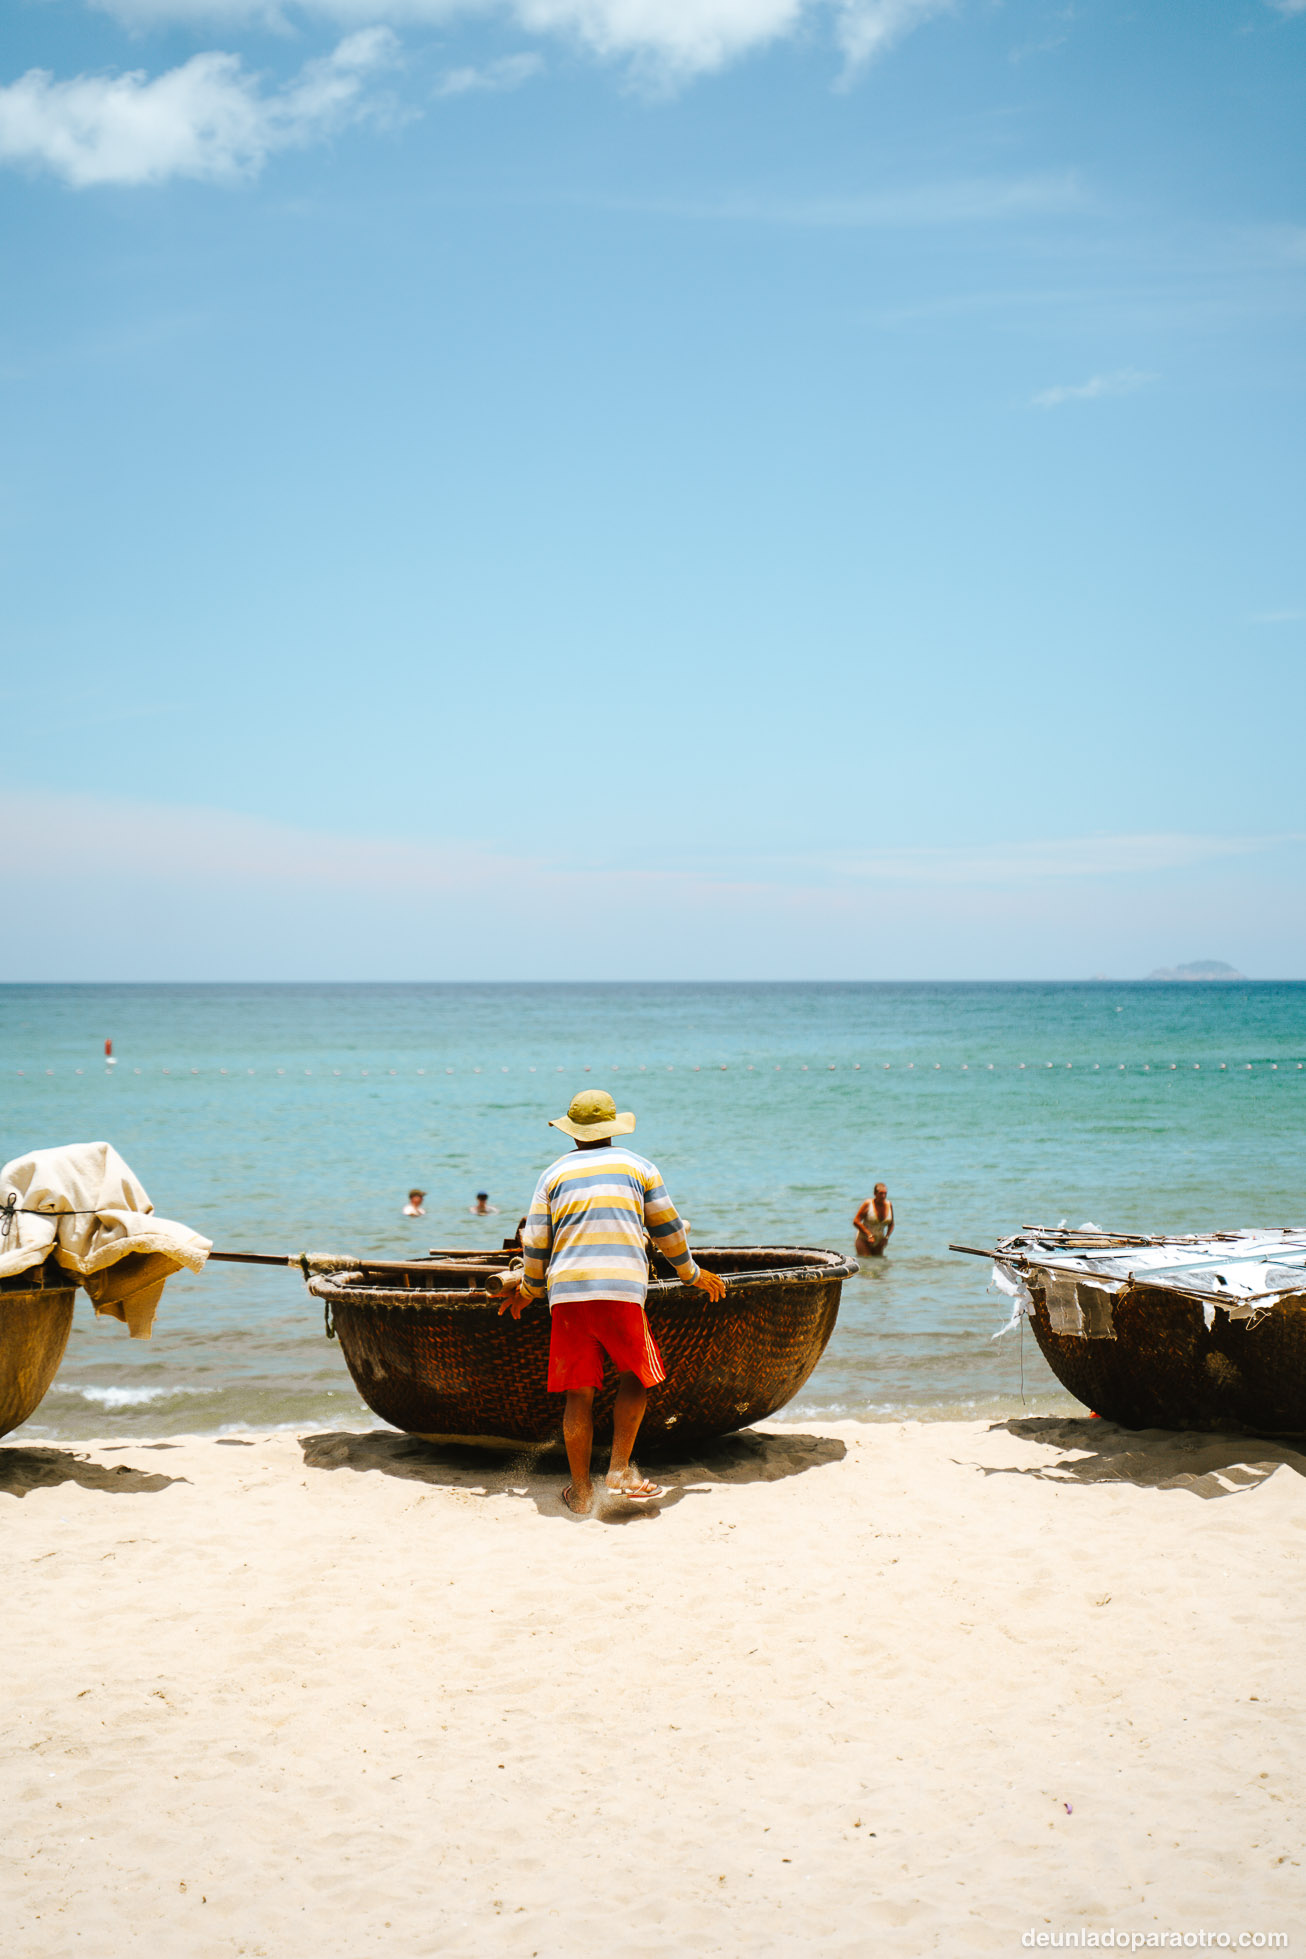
1095, 979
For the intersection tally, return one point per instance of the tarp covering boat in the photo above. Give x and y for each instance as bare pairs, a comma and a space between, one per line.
1242, 1272
1202, 1331
81, 1206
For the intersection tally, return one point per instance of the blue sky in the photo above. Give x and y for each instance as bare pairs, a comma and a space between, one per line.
643, 489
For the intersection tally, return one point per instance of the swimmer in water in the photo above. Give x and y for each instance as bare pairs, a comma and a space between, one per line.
413, 1208
873, 1224
483, 1208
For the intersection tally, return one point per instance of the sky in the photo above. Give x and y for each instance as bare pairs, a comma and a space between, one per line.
661, 489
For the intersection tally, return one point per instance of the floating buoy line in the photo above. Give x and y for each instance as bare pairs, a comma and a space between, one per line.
111, 1067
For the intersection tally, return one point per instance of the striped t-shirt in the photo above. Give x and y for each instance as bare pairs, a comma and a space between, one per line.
585, 1233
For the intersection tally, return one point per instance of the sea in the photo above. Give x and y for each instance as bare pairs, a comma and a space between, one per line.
289, 1118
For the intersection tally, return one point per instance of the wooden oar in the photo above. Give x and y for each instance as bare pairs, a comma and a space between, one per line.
443, 1264
253, 1258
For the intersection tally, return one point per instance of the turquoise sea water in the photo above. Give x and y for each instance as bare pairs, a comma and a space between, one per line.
291, 1118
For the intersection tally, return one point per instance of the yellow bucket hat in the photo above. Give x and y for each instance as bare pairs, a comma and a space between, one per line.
592, 1116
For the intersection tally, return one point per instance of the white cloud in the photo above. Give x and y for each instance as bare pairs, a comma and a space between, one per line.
493, 77
682, 36
1288, 6
869, 27
210, 845
693, 36
1289, 616
675, 38
214, 848
193, 893
1036, 862
1126, 381
208, 119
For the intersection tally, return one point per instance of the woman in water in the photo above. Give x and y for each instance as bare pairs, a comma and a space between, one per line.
873, 1224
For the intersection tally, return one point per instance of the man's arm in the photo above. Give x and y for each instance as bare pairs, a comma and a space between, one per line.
536, 1244
662, 1222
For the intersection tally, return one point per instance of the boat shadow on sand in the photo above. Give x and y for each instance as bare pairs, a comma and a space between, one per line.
753, 1456
25, 1469
1205, 1465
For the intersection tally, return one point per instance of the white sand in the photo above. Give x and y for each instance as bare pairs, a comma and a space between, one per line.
864, 1689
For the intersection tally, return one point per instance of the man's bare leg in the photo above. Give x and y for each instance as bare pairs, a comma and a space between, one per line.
627, 1414
578, 1434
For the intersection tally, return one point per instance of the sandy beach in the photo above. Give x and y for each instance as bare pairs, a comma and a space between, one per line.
921, 1688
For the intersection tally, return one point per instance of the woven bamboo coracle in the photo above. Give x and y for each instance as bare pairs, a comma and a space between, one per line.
36, 1317
434, 1357
1166, 1368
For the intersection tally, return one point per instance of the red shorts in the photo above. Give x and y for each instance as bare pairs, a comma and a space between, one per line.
584, 1330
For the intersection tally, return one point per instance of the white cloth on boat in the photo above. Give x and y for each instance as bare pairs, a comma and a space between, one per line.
1245, 1273
1064, 1314
1021, 1304
1095, 1310
83, 1204
1077, 1310
1244, 1266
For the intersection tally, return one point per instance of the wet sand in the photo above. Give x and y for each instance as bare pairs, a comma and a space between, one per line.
850, 1689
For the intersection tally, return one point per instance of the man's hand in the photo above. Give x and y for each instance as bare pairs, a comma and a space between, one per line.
513, 1300
711, 1283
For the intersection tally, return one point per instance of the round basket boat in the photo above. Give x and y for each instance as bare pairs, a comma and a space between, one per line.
434, 1356
1166, 1368
35, 1321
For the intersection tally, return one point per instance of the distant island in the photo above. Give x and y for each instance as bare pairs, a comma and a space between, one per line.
1198, 969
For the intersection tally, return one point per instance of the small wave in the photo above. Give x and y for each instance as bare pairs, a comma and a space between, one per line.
125, 1397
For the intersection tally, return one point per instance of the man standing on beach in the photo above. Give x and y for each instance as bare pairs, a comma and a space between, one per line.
586, 1241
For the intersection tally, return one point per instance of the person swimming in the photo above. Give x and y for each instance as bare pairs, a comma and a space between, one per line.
483, 1208
413, 1208
873, 1223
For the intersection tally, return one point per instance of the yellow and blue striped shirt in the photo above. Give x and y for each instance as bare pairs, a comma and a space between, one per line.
589, 1220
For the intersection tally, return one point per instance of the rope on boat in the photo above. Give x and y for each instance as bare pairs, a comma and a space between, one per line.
13, 1209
